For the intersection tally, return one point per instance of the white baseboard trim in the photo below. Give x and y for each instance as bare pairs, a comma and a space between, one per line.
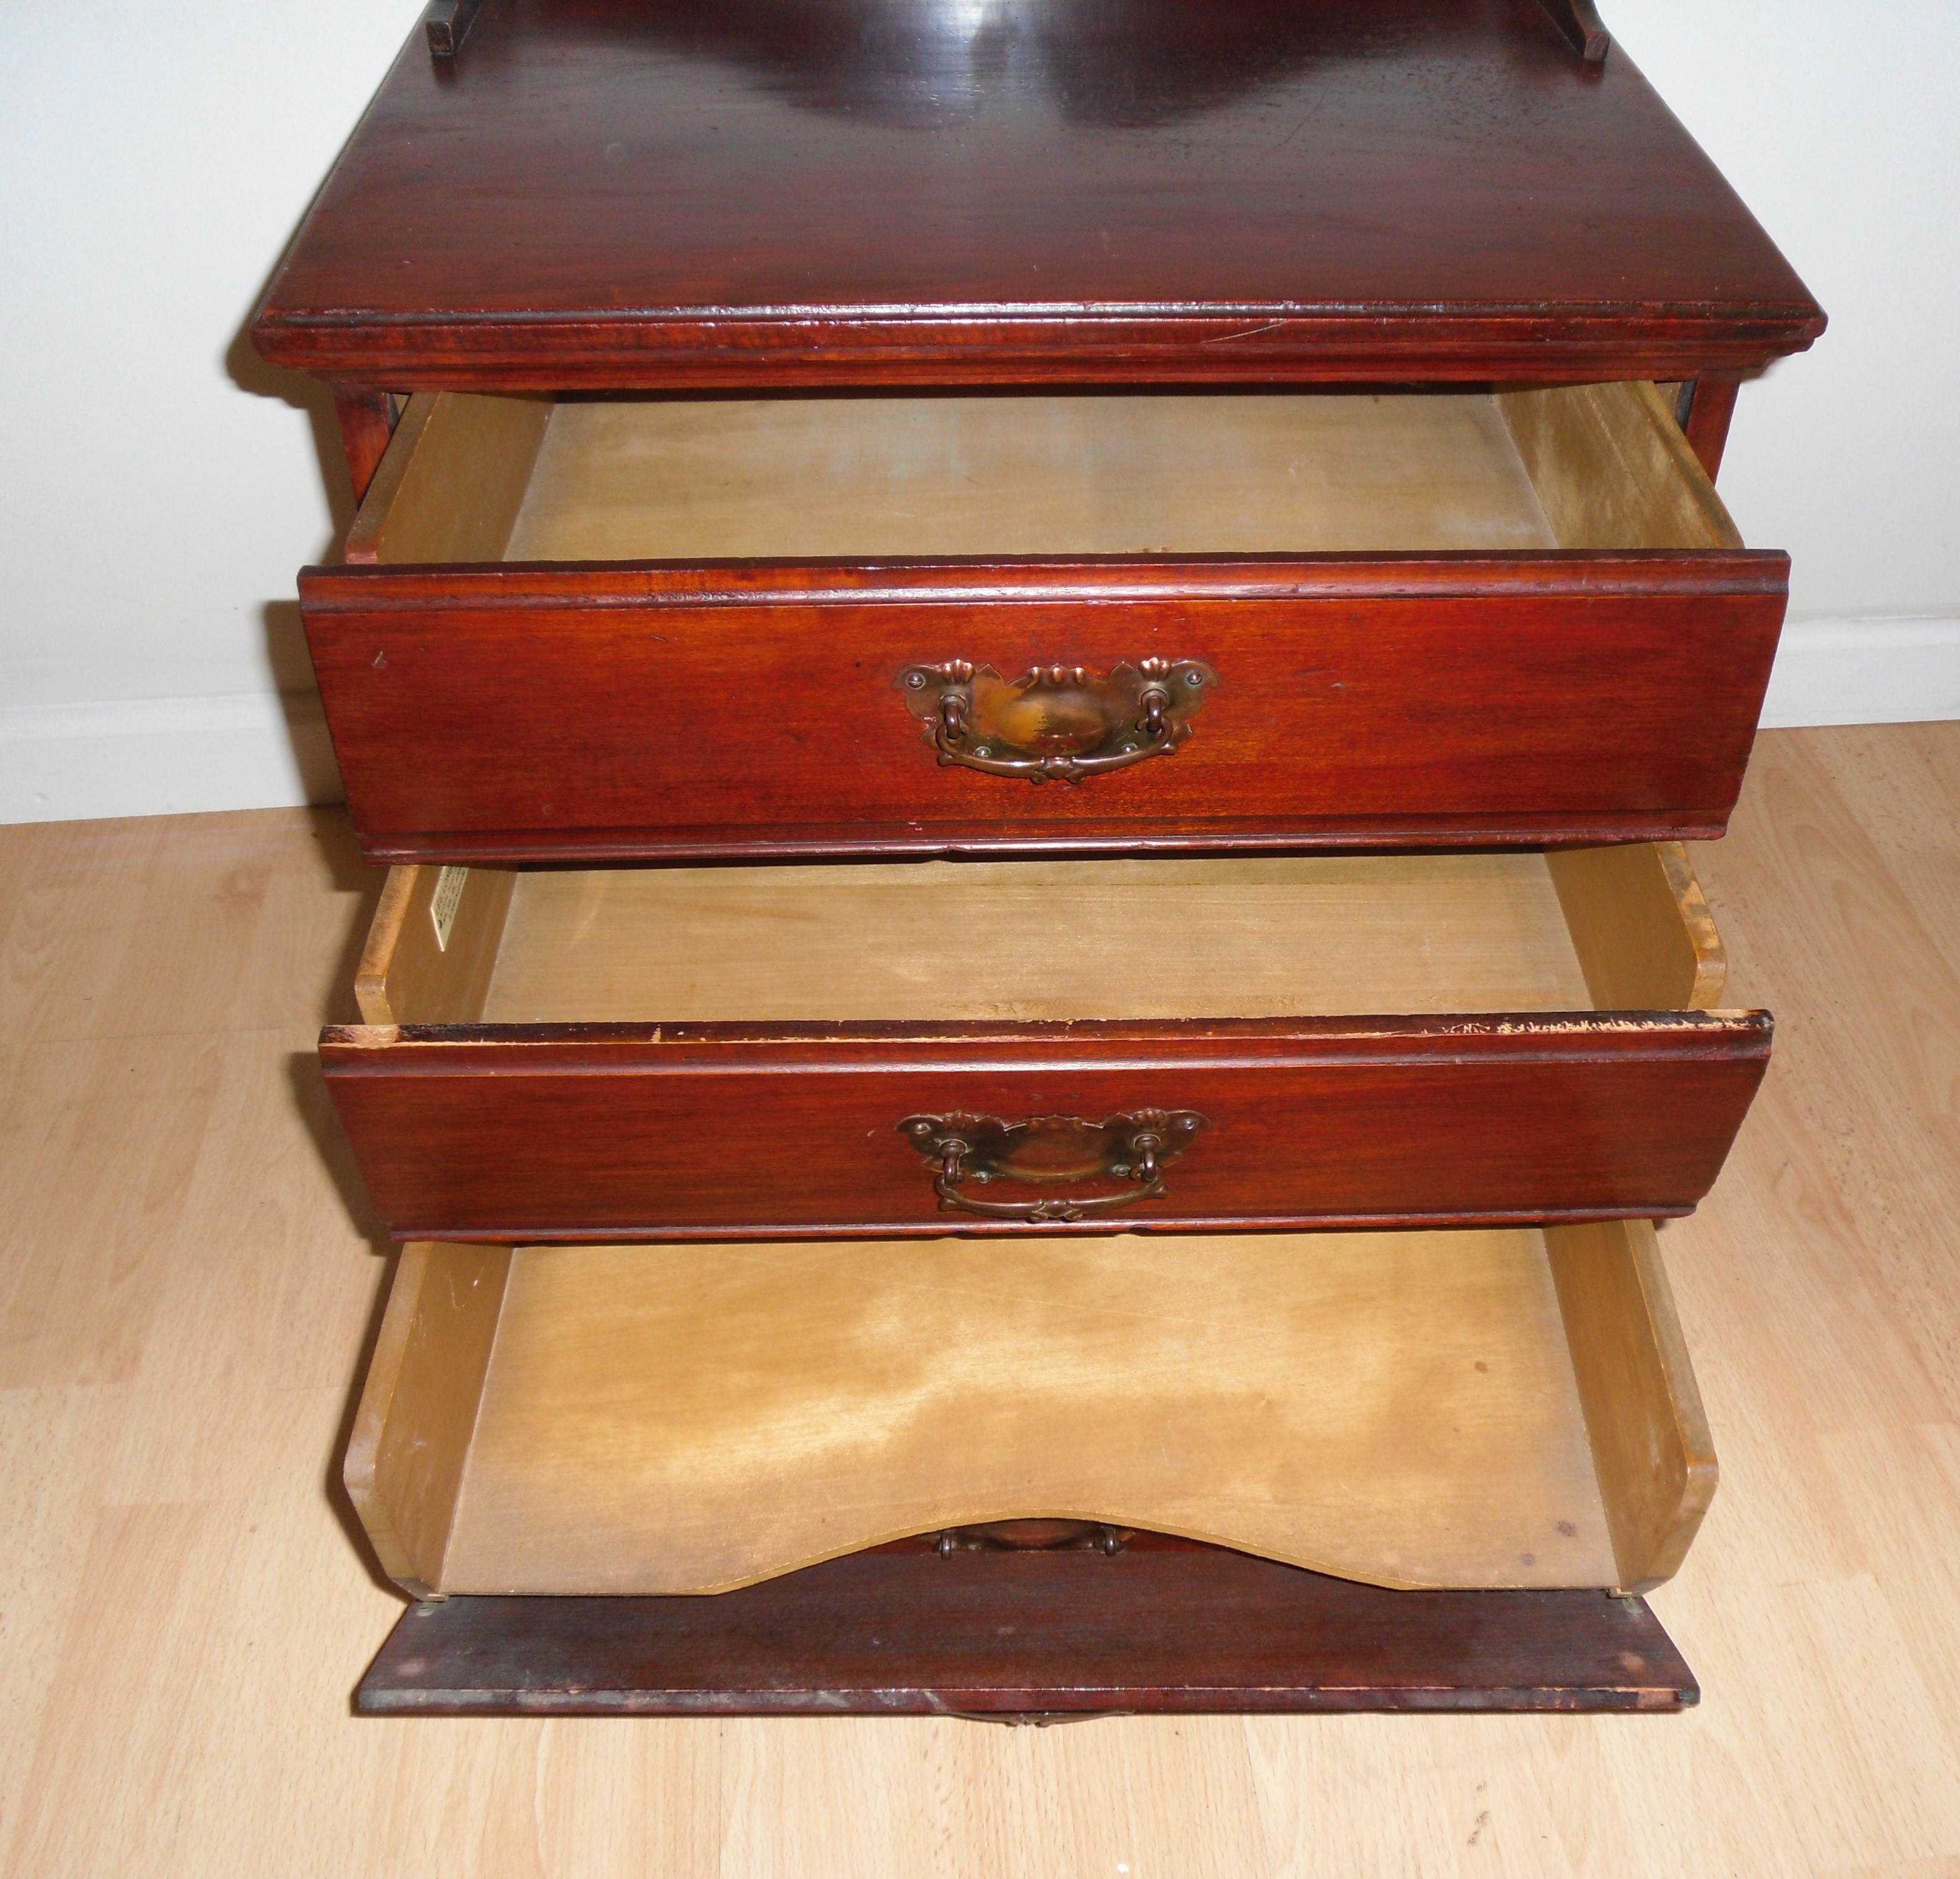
269, 750
1888, 671
164, 756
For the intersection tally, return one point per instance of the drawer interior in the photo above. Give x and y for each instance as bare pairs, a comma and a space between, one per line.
1615, 928
480, 479
1476, 1409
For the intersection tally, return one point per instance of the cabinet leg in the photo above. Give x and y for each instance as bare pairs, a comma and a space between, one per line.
1707, 404
366, 423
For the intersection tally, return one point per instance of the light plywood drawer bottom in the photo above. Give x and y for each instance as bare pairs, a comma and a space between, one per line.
1481, 1409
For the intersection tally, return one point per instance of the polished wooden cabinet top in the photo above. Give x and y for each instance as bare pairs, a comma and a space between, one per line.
653, 192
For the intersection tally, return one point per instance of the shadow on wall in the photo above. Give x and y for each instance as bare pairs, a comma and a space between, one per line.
299, 703
251, 374
305, 724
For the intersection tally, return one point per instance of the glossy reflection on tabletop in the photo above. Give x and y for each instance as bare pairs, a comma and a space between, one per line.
650, 158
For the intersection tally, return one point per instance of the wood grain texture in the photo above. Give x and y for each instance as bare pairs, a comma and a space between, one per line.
1611, 468
453, 479
674, 1052
560, 713
400, 889
1161, 1628
985, 942
1395, 1407
1376, 688
1650, 1439
1639, 923
886, 479
185, 1297
414, 1431
406, 975
762, 193
691, 1132
366, 420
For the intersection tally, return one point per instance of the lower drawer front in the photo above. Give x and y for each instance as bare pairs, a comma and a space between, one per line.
689, 1054
586, 1132
863, 626
1479, 1408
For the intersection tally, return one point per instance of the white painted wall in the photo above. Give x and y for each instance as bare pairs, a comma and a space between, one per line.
158, 486
1837, 125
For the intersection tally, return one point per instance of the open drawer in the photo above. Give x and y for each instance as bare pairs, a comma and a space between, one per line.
990, 1047
667, 628
1490, 1408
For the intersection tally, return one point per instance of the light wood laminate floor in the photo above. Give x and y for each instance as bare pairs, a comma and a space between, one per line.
190, 1278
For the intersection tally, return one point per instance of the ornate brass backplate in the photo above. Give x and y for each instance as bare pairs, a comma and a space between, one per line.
1136, 1147
1060, 722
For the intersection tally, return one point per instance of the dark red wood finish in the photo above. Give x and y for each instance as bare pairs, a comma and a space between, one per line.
1711, 405
662, 712
1584, 30
615, 193
1164, 1626
607, 1131
367, 422
448, 24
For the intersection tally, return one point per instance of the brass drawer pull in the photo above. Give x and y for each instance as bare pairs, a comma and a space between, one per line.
1035, 1536
1137, 1147
1061, 722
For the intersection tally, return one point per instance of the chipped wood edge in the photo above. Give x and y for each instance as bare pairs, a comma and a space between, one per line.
1640, 925
1697, 921
404, 977
384, 935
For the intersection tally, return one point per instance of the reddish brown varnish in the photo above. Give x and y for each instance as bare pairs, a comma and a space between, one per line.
1711, 405
1162, 1626
560, 712
654, 194
367, 422
611, 1132
617, 193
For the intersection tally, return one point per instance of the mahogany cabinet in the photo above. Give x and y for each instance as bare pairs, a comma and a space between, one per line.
1033, 678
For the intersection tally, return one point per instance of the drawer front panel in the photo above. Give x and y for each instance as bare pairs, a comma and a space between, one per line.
628, 1132
562, 713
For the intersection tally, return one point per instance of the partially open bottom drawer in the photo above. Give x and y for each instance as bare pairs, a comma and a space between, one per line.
1487, 1408
1162, 1626
661, 628
1083, 1046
